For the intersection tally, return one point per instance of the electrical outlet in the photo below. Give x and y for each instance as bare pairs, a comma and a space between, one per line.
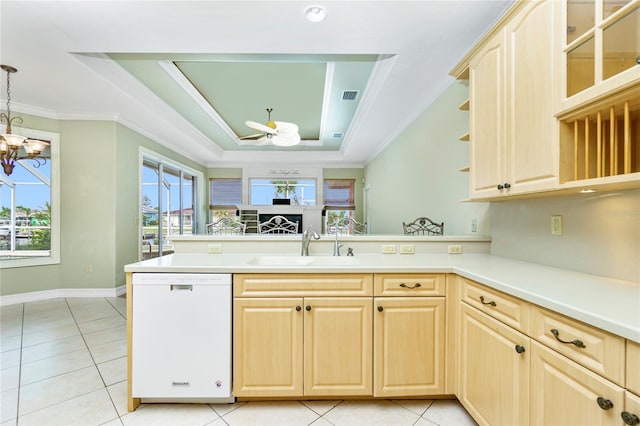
556, 224
474, 225
214, 248
388, 248
407, 249
89, 269
454, 249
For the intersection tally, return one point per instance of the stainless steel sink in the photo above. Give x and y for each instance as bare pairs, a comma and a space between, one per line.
294, 260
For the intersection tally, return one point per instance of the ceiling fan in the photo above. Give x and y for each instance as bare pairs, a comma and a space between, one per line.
279, 133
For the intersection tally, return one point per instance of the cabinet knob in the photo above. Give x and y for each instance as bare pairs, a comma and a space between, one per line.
308, 308
629, 418
380, 309
520, 349
605, 404
298, 308
500, 187
507, 185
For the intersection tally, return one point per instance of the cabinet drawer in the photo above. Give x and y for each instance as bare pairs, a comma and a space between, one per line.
633, 367
599, 351
409, 284
631, 407
279, 285
510, 310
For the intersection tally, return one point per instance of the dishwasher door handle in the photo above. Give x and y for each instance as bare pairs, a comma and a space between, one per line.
181, 287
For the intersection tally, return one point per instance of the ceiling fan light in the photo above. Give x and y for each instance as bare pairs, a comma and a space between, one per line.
315, 14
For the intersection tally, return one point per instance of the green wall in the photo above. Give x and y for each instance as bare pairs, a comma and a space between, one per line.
418, 173
99, 234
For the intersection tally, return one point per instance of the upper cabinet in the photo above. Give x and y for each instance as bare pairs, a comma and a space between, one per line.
551, 108
511, 80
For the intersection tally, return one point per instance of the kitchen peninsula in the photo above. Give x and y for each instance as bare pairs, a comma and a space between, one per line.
457, 298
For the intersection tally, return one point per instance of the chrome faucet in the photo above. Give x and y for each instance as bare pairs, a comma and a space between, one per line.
337, 246
306, 239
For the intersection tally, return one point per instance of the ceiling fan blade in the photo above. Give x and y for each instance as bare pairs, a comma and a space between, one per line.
260, 127
251, 136
285, 140
286, 127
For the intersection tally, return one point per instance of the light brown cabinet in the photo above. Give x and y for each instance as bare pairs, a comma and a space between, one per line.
267, 343
553, 117
409, 342
511, 85
568, 394
290, 339
494, 370
563, 372
409, 335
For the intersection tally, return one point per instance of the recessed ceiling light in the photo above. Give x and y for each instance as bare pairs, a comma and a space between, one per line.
315, 14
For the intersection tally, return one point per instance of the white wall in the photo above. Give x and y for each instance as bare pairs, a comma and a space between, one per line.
418, 174
601, 232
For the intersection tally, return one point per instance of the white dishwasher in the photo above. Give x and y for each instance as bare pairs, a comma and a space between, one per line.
181, 337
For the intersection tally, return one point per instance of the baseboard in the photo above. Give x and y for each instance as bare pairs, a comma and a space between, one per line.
35, 296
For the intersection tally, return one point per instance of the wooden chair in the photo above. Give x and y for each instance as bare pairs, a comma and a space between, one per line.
226, 226
278, 225
347, 226
423, 226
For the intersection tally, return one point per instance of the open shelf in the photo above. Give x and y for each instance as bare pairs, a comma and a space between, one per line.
464, 106
465, 137
465, 169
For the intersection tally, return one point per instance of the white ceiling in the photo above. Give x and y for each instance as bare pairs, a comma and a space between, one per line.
62, 48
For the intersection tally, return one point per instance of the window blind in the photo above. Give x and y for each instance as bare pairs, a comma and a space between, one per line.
226, 194
339, 194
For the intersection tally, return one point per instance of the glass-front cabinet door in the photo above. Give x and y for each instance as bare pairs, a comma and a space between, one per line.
602, 41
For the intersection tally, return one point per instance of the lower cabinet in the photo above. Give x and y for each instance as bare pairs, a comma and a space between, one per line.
565, 393
494, 370
303, 346
409, 346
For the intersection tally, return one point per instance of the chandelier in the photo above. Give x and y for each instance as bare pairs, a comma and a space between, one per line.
15, 147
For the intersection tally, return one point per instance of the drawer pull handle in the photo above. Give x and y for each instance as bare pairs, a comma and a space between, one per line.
416, 285
576, 342
605, 404
629, 418
380, 309
520, 349
492, 303
298, 308
176, 287
180, 383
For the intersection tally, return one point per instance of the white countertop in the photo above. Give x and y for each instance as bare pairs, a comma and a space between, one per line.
610, 304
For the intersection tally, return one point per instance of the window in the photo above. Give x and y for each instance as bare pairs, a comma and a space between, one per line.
168, 204
28, 209
339, 199
300, 192
226, 195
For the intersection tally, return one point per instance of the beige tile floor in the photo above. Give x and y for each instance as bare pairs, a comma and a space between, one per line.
63, 362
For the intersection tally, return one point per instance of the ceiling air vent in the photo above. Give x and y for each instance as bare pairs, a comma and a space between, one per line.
350, 95
337, 135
